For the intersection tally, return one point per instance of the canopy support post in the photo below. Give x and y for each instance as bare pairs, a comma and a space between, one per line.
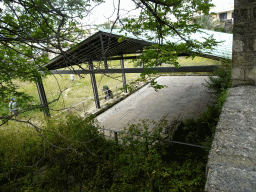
94, 86
103, 53
123, 74
43, 98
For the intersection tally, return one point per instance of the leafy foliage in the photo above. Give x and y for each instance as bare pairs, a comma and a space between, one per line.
207, 22
160, 19
28, 30
31, 28
223, 80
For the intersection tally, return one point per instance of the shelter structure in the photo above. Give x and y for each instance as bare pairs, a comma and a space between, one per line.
104, 46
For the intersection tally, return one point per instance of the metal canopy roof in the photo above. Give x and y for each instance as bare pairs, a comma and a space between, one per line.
222, 50
91, 49
106, 41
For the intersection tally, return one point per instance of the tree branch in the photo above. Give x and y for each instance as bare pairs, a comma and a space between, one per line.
162, 21
169, 4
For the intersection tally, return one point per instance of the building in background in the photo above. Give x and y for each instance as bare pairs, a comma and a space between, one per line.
224, 12
220, 17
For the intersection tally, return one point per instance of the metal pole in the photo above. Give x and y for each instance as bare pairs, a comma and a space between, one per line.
94, 86
84, 108
123, 74
42, 96
103, 53
116, 138
208, 68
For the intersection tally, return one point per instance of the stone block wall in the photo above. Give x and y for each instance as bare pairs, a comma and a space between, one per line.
232, 160
228, 26
244, 43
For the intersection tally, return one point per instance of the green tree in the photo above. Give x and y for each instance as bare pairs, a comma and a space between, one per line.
30, 28
207, 22
165, 18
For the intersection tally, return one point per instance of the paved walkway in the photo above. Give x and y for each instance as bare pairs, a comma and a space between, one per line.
185, 97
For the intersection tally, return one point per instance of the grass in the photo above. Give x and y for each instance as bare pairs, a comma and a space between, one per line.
197, 61
81, 89
76, 91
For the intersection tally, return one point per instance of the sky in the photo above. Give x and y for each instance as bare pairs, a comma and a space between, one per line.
105, 11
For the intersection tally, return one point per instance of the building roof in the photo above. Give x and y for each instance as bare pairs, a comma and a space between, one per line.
91, 48
222, 9
222, 50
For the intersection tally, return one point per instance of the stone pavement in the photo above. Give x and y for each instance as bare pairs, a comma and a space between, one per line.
185, 98
232, 160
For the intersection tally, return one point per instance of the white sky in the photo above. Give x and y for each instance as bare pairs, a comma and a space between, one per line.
105, 11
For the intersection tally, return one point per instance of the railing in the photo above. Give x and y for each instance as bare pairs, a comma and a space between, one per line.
123, 132
146, 138
119, 140
115, 137
80, 107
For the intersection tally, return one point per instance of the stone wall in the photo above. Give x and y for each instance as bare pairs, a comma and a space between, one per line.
244, 43
232, 160
228, 26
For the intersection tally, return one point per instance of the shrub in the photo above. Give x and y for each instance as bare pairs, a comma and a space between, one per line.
223, 81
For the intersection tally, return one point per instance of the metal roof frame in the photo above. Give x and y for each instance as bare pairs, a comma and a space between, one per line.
104, 46
100, 46
206, 68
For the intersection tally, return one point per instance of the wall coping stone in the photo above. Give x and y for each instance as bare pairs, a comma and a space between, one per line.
232, 159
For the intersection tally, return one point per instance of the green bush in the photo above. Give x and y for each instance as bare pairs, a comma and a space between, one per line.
223, 81
63, 159
136, 167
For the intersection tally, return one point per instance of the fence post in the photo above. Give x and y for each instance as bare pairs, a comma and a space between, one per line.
42, 96
94, 86
123, 74
116, 138
84, 108
146, 144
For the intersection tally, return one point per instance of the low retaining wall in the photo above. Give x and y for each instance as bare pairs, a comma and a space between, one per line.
232, 160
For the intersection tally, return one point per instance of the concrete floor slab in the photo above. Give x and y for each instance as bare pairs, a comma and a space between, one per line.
185, 97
